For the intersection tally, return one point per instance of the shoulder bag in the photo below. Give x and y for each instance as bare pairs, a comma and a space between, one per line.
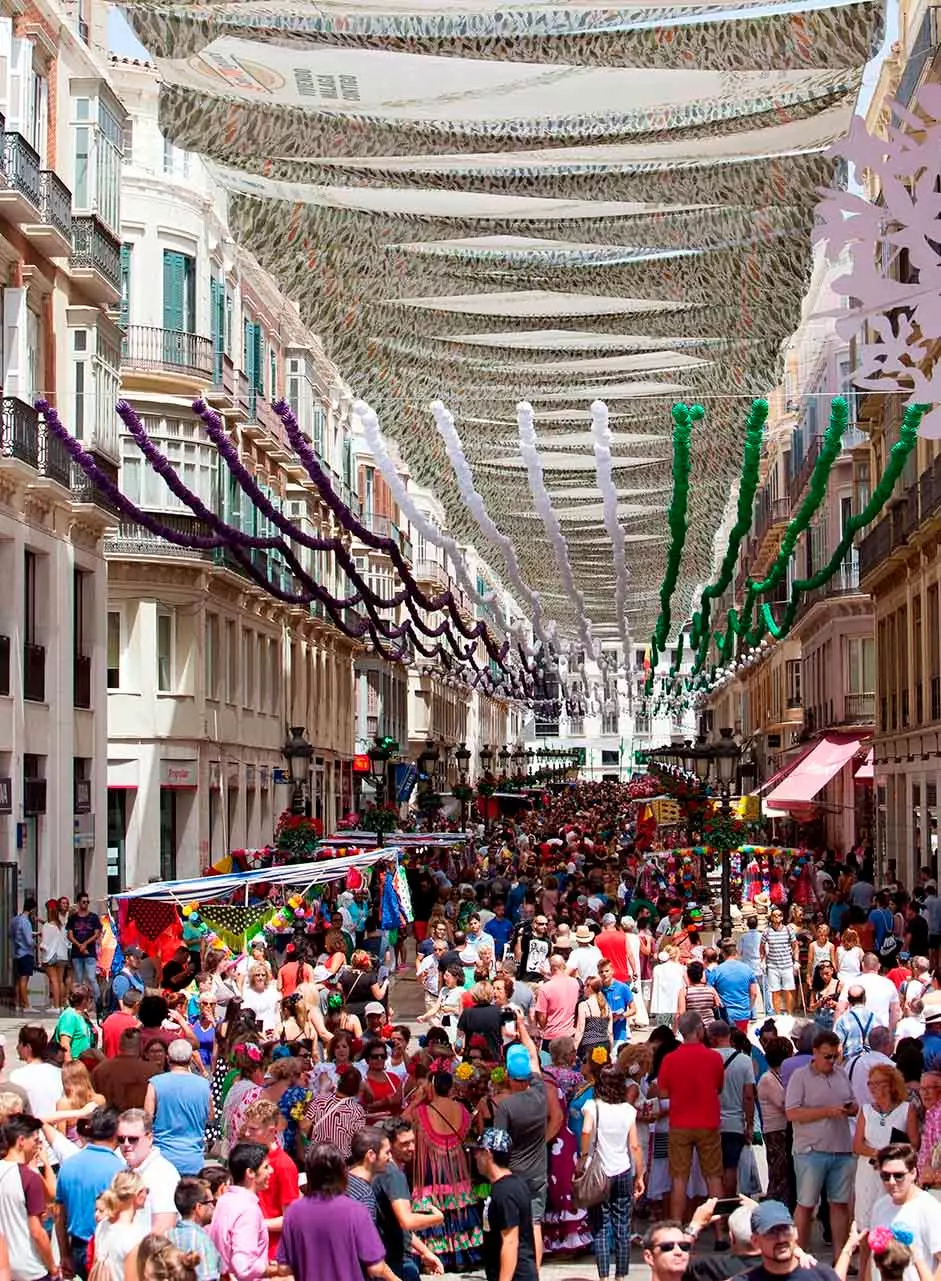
590, 1184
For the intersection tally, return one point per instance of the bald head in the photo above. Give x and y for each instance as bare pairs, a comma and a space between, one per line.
870, 963
556, 963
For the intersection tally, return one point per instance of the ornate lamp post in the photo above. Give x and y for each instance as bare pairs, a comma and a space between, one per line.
504, 760
462, 757
427, 768
723, 758
298, 752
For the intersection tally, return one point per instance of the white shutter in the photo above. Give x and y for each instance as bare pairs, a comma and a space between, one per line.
6, 54
21, 63
15, 349
42, 122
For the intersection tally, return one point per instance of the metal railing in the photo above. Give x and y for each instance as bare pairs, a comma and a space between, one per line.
921, 54
577, 726
609, 723
146, 347
775, 511
133, 539
94, 246
21, 167
55, 461
19, 431
55, 203
921, 500
859, 709
34, 673
429, 571
806, 466
223, 373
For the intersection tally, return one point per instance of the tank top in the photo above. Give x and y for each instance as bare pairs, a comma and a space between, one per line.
180, 1119
819, 952
596, 1031
700, 999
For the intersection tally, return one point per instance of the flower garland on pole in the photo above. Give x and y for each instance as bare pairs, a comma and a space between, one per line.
683, 418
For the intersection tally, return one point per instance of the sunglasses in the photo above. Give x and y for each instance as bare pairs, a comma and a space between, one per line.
664, 1247
207, 1201
893, 1176
131, 1140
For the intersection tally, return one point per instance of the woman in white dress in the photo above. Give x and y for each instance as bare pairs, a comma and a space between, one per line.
849, 958
119, 1230
262, 997
668, 979
889, 1118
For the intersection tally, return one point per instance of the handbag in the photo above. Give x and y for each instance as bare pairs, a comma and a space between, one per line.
590, 1184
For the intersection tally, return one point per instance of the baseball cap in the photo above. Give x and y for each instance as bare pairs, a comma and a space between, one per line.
769, 1215
494, 1140
134, 951
518, 1066
374, 1007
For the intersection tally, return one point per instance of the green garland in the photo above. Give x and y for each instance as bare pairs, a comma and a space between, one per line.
898, 457
748, 487
683, 418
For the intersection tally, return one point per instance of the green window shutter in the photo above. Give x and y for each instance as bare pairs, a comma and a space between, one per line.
125, 285
273, 369
248, 352
259, 365
189, 294
174, 275
217, 322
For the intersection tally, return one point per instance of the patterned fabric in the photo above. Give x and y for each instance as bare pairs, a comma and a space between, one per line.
335, 1120
442, 1178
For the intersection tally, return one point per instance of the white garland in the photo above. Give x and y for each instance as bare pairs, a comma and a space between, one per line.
601, 438
444, 420
387, 468
537, 484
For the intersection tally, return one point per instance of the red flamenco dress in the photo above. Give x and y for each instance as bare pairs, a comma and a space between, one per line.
443, 1179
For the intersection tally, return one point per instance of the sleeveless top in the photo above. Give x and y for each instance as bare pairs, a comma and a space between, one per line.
596, 1031
700, 999
820, 952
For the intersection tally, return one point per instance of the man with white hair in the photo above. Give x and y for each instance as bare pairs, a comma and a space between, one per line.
613, 945
179, 1105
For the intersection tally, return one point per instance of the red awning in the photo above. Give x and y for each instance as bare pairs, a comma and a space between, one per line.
827, 758
865, 770
786, 768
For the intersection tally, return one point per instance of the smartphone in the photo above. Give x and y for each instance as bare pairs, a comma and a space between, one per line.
726, 1204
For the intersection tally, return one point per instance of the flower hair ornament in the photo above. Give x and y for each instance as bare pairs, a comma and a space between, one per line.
599, 1054
464, 1071
880, 1238
250, 1051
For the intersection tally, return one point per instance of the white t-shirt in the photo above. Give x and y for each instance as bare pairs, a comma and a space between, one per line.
53, 944
613, 1122
115, 1241
881, 994
585, 959
910, 1026
922, 1218
161, 1178
429, 974
263, 1004
43, 1083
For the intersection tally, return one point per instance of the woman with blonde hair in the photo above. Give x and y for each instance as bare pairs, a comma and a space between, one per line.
594, 1022
119, 1230
77, 1093
261, 996
849, 957
158, 1259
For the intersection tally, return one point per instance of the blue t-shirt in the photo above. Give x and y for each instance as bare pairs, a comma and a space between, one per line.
619, 998
882, 921
499, 929
514, 901
82, 1179
837, 915
732, 980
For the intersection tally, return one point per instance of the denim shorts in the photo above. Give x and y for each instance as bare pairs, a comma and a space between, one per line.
815, 1171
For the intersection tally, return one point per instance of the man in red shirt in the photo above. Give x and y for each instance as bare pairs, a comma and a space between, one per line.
613, 946
124, 1017
692, 1078
261, 1124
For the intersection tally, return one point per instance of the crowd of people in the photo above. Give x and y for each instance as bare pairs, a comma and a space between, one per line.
590, 1060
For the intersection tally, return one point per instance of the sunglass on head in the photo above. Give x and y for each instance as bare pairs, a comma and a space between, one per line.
664, 1247
892, 1176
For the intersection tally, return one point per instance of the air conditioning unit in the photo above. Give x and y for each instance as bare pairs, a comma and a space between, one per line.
774, 742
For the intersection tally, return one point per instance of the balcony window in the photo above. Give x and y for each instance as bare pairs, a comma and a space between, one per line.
164, 651
179, 292
94, 365
194, 460
213, 656
114, 649
98, 130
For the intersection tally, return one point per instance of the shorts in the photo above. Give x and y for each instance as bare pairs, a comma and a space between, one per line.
816, 1171
780, 978
732, 1147
25, 967
539, 1191
680, 1147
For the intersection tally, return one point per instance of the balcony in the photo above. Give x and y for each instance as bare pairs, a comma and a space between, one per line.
85, 490
53, 232
577, 726
920, 58
95, 261
55, 461
547, 729
34, 673
222, 391
429, 573
609, 723
4, 664
21, 190
132, 539
19, 431
859, 709
802, 475
153, 350
81, 688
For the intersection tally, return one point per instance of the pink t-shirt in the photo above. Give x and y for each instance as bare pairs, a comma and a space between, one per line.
557, 1000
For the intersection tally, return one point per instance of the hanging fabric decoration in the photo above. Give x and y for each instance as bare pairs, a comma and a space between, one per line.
683, 418
601, 438
537, 485
444, 421
748, 487
387, 469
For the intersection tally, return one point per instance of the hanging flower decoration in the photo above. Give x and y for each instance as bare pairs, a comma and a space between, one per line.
379, 819
297, 834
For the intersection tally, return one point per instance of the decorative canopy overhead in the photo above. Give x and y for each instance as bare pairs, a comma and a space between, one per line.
559, 204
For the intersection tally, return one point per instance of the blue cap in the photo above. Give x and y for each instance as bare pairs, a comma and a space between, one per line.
769, 1215
493, 1141
518, 1064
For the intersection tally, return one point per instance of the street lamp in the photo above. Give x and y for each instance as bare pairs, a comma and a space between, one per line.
486, 758
519, 759
297, 752
462, 757
504, 760
724, 756
382, 750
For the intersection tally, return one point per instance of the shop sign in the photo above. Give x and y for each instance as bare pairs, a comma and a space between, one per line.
179, 774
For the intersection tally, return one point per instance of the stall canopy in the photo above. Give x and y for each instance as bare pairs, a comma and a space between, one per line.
204, 888
339, 839
813, 772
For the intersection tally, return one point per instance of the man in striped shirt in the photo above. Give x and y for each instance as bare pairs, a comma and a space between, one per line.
369, 1155
779, 953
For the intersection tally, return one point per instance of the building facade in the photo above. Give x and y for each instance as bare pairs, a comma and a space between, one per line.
206, 670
